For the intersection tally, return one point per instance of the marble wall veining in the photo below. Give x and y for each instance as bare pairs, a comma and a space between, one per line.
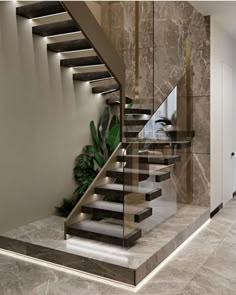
173, 49
119, 24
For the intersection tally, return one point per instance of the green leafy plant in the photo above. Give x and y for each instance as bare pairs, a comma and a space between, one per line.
106, 137
97, 156
84, 174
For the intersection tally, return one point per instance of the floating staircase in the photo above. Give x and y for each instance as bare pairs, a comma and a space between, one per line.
118, 190
111, 207
103, 215
150, 159
50, 19
116, 210
136, 111
120, 174
104, 232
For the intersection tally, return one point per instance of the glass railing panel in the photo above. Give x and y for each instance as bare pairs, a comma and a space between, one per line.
163, 120
147, 198
123, 23
160, 158
111, 17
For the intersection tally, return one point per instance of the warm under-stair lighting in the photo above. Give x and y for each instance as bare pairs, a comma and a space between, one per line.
108, 249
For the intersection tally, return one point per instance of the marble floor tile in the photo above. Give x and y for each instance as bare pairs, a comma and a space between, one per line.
230, 236
49, 233
69, 286
204, 266
18, 277
212, 235
9, 280
209, 282
223, 261
217, 275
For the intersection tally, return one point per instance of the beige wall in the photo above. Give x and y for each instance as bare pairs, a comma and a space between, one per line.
44, 123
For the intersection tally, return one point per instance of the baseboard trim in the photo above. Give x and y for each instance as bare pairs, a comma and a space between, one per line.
216, 210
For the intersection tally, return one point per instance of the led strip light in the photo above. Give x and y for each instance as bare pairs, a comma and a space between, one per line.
99, 279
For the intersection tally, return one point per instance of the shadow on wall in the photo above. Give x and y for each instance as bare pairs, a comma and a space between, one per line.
44, 123
106, 137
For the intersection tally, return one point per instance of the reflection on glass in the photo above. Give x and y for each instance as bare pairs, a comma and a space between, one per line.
157, 166
163, 120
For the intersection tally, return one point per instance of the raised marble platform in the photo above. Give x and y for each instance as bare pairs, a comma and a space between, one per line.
43, 240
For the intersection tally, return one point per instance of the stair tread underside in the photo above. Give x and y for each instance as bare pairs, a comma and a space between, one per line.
40, 8
58, 28
109, 88
71, 45
92, 76
81, 61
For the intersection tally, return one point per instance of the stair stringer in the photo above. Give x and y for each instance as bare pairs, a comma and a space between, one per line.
93, 32
82, 15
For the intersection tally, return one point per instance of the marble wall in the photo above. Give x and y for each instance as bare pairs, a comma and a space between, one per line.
169, 47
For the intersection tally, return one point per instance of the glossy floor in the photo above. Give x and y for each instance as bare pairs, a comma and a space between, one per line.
205, 265
127, 265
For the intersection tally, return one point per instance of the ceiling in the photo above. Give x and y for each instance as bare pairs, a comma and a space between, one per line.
223, 11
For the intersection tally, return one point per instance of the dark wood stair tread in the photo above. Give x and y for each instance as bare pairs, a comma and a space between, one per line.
102, 89
131, 133
116, 210
39, 9
105, 232
178, 137
90, 76
180, 134
116, 100
135, 122
150, 193
136, 111
71, 45
144, 144
179, 144
160, 175
151, 159
81, 61
57, 28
